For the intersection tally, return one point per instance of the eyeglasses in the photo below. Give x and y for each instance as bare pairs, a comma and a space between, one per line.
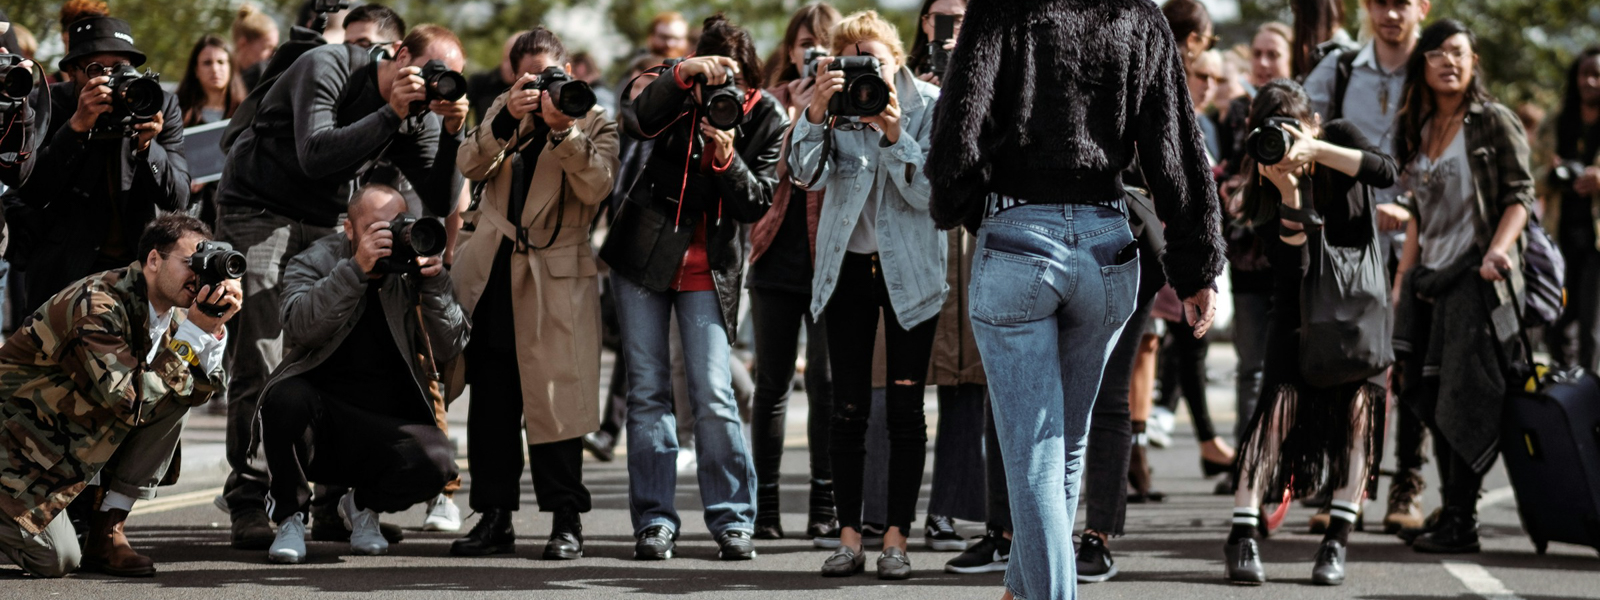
366, 43
1211, 41
1438, 58
94, 70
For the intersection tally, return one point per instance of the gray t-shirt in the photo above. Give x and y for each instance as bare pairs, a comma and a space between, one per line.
1445, 198
864, 238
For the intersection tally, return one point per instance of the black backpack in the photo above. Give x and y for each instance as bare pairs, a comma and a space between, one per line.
301, 40
1341, 80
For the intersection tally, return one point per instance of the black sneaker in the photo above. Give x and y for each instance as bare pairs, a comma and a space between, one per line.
872, 534
1095, 563
941, 534
987, 553
655, 543
736, 545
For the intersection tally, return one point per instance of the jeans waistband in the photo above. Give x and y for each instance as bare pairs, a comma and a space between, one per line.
999, 203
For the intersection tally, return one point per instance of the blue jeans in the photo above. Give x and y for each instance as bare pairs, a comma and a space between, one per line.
727, 473
1052, 288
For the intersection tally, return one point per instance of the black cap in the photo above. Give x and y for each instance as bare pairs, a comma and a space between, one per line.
97, 35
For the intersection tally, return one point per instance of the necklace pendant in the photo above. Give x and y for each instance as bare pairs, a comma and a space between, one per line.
1383, 99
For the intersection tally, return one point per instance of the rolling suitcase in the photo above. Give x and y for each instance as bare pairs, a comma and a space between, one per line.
1551, 442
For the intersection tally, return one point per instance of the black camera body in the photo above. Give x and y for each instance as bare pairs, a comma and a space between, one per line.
1566, 174
1270, 143
722, 105
413, 238
813, 54
135, 99
213, 263
865, 93
440, 83
16, 83
572, 97
944, 30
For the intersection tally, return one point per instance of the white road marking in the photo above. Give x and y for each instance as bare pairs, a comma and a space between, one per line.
1497, 496
1479, 581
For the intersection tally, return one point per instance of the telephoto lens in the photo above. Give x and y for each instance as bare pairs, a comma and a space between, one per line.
413, 238
15, 82
1270, 143
723, 104
213, 263
572, 97
865, 92
135, 98
440, 83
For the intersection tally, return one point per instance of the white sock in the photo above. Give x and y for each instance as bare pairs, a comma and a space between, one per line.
117, 500
1345, 511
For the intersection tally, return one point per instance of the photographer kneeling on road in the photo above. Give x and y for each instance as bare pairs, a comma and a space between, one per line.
96, 385
356, 317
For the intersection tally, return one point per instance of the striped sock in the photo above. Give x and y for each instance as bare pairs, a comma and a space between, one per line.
1343, 520
1246, 524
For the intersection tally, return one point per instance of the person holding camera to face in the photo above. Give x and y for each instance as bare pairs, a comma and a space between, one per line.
676, 247
863, 138
369, 313
548, 155
1313, 195
96, 387
16, 115
112, 158
335, 112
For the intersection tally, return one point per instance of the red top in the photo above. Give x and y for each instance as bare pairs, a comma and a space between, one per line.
694, 273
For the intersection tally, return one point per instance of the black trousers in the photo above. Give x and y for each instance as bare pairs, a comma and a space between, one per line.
852, 321
392, 463
494, 441
1460, 485
1111, 432
1184, 363
777, 317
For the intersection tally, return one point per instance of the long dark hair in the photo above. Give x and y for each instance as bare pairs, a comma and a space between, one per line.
818, 18
720, 37
1417, 104
192, 95
1314, 23
1569, 124
1278, 98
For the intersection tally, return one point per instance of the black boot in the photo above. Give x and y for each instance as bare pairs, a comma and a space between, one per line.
1457, 533
768, 524
566, 537
492, 535
822, 526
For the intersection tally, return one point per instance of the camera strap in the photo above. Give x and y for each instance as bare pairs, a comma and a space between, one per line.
42, 116
827, 153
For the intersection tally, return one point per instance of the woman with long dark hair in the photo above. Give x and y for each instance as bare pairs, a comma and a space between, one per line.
210, 91
1466, 165
1572, 144
1306, 435
780, 298
676, 248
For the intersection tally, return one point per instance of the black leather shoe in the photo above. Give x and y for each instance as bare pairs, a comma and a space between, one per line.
492, 534
602, 445
1095, 563
1243, 562
566, 537
768, 530
1329, 568
253, 531
823, 531
656, 542
736, 545
1457, 533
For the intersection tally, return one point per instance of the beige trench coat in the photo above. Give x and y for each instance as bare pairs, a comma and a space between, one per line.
556, 292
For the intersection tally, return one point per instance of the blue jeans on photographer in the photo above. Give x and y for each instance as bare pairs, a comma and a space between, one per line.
1052, 287
727, 473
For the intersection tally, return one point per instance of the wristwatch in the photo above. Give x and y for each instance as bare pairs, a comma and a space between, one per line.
556, 137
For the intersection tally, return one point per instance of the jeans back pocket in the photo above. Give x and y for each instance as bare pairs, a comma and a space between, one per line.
1006, 287
1121, 282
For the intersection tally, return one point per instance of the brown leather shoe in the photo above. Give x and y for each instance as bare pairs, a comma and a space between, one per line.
107, 549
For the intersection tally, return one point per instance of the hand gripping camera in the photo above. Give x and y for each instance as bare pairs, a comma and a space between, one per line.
572, 97
1270, 143
440, 83
865, 93
723, 105
214, 263
135, 98
413, 238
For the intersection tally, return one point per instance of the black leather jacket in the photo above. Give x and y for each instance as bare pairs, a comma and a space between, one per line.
650, 254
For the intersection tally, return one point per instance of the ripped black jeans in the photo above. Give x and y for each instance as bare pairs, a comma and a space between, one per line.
852, 321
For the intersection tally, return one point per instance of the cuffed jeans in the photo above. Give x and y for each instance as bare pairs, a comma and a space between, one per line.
255, 339
727, 473
1052, 287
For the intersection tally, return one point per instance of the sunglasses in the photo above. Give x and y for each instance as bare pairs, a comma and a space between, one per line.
94, 70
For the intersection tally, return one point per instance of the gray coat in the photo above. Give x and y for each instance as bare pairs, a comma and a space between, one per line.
324, 293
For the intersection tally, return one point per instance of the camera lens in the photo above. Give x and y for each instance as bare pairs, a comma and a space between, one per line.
868, 94
426, 237
724, 111
573, 98
233, 265
449, 86
141, 96
15, 81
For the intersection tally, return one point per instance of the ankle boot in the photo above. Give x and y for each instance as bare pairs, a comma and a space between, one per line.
566, 537
1457, 533
492, 534
107, 549
1139, 478
769, 525
1405, 503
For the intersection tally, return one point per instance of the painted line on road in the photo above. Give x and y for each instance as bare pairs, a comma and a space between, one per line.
1479, 581
196, 498
1497, 496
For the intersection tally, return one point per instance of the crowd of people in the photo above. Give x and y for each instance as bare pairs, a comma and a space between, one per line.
1028, 208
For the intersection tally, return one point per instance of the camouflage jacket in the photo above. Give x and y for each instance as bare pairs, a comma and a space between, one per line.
74, 384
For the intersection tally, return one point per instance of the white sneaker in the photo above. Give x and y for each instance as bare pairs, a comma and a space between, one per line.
443, 515
365, 538
1157, 437
688, 463
221, 503
1162, 419
290, 547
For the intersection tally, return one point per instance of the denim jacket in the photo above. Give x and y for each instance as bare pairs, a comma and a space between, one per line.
911, 250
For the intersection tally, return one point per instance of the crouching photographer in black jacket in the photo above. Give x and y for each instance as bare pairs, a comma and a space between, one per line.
358, 312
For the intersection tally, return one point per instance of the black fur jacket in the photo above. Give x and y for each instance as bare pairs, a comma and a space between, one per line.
1054, 94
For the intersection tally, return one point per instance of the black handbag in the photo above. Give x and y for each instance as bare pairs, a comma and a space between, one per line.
645, 245
1345, 321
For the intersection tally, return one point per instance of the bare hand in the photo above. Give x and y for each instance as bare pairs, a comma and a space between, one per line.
718, 142
1199, 310
195, 187
930, 78
1496, 265
553, 117
228, 294
1589, 182
829, 82
1392, 217
148, 131
377, 243
93, 100
431, 266
889, 120
801, 91
520, 102
713, 68
454, 113
1283, 176
407, 87
1304, 150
